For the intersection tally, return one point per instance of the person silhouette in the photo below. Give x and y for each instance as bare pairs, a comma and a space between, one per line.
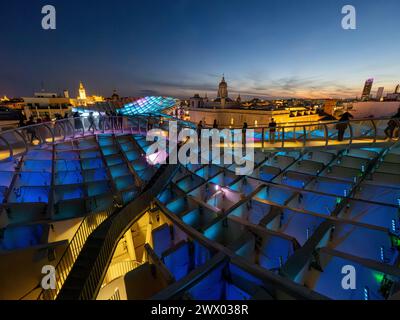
393, 123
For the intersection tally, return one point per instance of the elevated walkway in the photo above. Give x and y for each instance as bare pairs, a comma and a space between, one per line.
309, 135
86, 275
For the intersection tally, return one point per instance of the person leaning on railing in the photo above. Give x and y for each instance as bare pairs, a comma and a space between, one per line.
393, 123
31, 129
343, 125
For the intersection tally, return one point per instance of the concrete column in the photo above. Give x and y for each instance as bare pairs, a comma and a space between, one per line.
130, 245
149, 230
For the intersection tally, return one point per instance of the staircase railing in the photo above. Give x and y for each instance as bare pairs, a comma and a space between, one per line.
110, 235
67, 260
119, 269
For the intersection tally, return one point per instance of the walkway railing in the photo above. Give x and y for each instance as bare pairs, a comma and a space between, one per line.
20, 140
298, 135
324, 133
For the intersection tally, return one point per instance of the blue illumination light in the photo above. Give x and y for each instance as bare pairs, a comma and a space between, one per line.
280, 262
148, 105
366, 293
382, 252
213, 231
85, 112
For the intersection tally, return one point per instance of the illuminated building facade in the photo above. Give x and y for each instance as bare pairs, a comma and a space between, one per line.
47, 103
234, 113
379, 94
82, 92
366, 94
85, 100
223, 101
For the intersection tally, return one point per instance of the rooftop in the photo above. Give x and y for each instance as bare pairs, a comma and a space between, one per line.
304, 207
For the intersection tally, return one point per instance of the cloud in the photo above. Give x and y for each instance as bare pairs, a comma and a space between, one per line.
146, 92
250, 87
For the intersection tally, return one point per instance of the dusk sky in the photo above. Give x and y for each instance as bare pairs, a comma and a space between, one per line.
265, 48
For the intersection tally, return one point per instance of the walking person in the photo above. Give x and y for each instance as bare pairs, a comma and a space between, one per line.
77, 121
114, 120
272, 131
120, 120
92, 125
199, 129
101, 121
244, 131
107, 120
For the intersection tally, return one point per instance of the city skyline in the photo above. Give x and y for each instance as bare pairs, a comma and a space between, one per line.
267, 49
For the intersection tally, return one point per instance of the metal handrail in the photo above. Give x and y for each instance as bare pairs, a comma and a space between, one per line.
51, 125
192, 125
294, 124
328, 130
309, 124
71, 253
119, 269
16, 141
119, 226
